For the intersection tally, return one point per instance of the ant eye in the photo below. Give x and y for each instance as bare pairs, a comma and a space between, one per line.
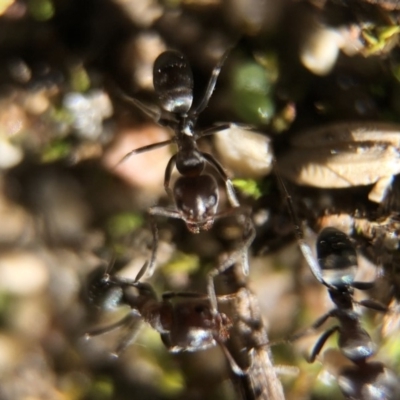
173, 82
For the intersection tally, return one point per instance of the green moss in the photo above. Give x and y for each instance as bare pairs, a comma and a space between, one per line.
79, 79
123, 223
251, 86
56, 150
102, 389
41, 10
249, 187
181, 262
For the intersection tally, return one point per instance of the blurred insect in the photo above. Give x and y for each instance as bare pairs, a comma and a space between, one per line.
369, 381
335, 267
342, 155
195, 193
186, 321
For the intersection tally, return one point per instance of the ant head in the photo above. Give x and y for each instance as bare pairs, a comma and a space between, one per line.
173, 82
101, 292
198, 327
196, 199
337, 258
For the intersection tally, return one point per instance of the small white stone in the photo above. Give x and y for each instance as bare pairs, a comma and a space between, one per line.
320, 49
10, 155
248, 154
22, 273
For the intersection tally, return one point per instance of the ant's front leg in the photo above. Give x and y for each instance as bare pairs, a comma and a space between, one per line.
234, 202
132, 322
321, 341
319, 322
247, 239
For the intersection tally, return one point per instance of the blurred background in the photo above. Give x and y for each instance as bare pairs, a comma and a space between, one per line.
67, 210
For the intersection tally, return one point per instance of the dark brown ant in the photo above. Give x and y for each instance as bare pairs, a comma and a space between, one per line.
190, 325
195, 193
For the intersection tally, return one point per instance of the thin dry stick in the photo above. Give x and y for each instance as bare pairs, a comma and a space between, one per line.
248, 339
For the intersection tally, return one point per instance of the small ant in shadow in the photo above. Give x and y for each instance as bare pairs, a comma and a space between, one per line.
335, 267
195, 193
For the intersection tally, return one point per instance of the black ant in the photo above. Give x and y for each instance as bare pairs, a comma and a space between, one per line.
335, 267
190, 325
369, 381
195, 193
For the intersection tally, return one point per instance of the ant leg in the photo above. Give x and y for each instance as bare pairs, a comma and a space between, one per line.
373, 305
363, 285
248, 236
149, 267
190, 295
111, 327
133, 329
320, 343
222, 126
164, 212
211, 85
152, 112
229, 262
167, 177
228, 183
232, 363
319, 322
143, 149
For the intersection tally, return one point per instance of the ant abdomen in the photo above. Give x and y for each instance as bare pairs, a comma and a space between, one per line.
337, 257
356, 345
173, 82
